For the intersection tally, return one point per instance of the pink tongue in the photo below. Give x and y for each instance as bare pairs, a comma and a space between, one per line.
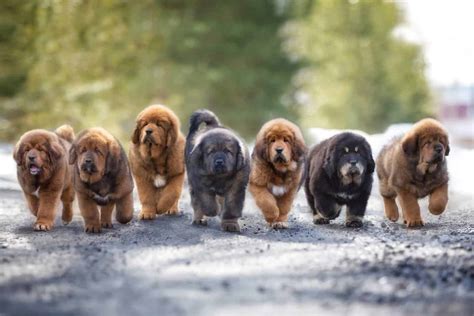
34, 170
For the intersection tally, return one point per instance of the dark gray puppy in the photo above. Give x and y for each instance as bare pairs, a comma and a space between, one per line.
217, 164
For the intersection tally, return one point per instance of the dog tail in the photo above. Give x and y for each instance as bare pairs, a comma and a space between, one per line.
65, 132
202, 117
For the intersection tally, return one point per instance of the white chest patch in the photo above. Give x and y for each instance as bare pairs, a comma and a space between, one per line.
278, 190
345, 196
159, 181
36, 193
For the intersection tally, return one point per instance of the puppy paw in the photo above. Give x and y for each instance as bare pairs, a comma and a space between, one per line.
146, 216
107, 225
173, 212
393, 218
92, 228
413, 223
200, 222
230, 226
42, 226
66, 217
279, 225
320, 221
354, 223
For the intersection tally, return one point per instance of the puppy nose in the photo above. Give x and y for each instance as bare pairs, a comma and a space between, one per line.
88, 160
149, 131
219, 162
279, 150
353, 162
31, 157
438, 148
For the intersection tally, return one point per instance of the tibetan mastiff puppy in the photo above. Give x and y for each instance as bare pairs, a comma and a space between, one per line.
412, 167
339, 172
218, 168
157, 161
277, 170
45, 175
101, 178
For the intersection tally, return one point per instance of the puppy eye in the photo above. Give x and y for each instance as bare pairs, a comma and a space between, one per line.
273, 140
346, 149
286, 140
98, 151
356, 149
83, 150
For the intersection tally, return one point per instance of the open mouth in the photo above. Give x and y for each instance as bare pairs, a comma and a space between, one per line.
34, 169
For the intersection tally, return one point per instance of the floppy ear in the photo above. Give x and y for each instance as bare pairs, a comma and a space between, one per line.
410, 144
136, 133
55, 151
448, 149
370, 159
260, 149
114, 158
172, 135
240, 157
328, 165
19, 153
72, 155
299, 148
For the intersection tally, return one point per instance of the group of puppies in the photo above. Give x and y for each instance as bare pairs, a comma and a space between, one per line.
54, 166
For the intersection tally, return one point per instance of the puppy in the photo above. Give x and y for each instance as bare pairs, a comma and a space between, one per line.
340, 172
412, 167
217, 164
101, 177
44, 174
277, 170
157, 161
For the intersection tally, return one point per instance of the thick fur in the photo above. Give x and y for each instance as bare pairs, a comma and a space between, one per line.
217, 164
339, 172
277, 169
102, 178
45, 175
157, 161
412, 167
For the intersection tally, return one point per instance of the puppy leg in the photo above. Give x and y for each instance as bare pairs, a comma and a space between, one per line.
106, 215
67, 198
48, 203
391, 208
326, 209
233, 205
124, 209
169, 196
33, 203
146, 194
266, 202
284, 204
90, 213
356, 210
438, 200
204, 204
411, 209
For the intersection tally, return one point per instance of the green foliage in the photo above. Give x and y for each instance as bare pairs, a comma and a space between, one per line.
357, 74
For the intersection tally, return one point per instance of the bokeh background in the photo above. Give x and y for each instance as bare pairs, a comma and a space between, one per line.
323, 63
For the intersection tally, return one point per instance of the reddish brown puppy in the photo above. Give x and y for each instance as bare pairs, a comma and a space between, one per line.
412, 167
157, 160
102, 178
45, 175
277, 170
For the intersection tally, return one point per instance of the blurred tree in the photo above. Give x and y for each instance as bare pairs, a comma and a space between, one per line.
357, 73
100, 62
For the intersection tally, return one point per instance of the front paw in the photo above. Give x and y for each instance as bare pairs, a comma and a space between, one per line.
43, 226
147, 215
200, 222
279, 225
92, 228
413, 223
230, 226
354, 223
101, 200
106, 225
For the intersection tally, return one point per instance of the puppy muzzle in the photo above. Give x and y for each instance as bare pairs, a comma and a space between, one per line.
34, 169
279, 158
89, 168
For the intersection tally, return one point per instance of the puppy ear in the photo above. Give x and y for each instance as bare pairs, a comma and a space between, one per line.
72, 155
114, 158
136, 133
19, 153
240, 157
55, 151
448, 149
410, 144
370, 160
328, 165
172, 135
260, 149
299, 148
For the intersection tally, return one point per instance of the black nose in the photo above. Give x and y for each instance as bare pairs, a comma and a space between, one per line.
88, 161
31, 158
279, 150
353, 162
219, 162
149, 131
438, 148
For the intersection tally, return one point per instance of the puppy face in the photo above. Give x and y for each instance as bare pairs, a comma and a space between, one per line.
37, 152
152, 133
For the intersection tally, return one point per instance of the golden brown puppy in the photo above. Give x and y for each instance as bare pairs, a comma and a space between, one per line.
101, 177
412, 167
45, 175
277, 170
157, 160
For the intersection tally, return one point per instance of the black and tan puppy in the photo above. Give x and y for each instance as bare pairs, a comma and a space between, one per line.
157, 161
45, 175
217, 164
339, 172
101, 177
412, 167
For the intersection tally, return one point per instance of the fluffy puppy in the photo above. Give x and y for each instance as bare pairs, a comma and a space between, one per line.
101, 177
217, 164
157, 161
45, 175
412, 167
340, 172
277, 170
